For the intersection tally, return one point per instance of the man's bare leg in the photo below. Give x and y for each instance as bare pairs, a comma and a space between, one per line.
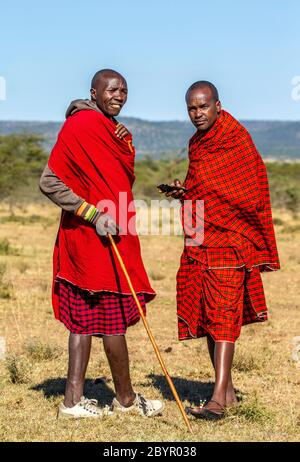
223, 356
79, 354
117, 354
231, 398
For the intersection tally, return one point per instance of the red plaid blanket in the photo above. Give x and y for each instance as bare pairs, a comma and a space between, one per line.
100, 313
228, 174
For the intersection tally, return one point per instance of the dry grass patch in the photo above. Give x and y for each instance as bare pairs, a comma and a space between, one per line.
40, 351
32, 380
22, 266
19, 369
156, 275
251, 410
248, 361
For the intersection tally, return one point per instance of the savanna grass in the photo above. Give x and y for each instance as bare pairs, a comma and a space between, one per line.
33, 378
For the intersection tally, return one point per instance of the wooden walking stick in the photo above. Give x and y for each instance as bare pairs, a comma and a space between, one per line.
169, 380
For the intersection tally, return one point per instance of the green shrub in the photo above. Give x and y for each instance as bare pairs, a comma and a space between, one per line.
245, 362
5, 288
39, 351
19, 369
278, 221
252, 411
22, 159
5, 247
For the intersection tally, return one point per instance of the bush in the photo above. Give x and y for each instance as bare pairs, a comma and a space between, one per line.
278, 221
19, 369
245, 362
284, 179
5, 288
40, 351
22, 159
5, 247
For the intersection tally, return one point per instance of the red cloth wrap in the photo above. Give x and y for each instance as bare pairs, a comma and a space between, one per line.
228, 174
91, 160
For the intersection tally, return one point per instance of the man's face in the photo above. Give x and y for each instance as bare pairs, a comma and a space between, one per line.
202, 108
110, 94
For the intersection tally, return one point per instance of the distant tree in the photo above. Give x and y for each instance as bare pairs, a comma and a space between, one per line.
21, 161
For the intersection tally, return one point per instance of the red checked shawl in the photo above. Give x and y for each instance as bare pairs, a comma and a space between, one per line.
228, 174
90, 159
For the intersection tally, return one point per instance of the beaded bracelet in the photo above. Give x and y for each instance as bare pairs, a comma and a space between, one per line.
88, 212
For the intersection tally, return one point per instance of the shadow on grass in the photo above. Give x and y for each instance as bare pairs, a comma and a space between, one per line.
56, 387
191, 390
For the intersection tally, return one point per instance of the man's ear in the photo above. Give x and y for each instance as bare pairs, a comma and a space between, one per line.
219, 106
93, 94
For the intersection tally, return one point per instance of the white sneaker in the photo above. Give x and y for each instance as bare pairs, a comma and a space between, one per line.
141, 405
85, 408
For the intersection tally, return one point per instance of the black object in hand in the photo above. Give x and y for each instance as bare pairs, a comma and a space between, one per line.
166, 188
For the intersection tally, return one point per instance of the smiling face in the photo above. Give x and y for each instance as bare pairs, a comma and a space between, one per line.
110, 93
202, 107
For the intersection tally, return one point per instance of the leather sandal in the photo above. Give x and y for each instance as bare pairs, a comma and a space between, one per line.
207, 414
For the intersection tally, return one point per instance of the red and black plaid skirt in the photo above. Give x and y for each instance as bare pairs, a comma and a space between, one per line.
98, 313
217, 301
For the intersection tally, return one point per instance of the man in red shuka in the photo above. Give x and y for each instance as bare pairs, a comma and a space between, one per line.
93, 161
219, 287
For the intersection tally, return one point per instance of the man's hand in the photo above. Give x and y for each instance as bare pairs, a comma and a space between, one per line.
121, 131
106, 224
178, 193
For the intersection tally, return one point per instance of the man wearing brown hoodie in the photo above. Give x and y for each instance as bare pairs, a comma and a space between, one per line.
93, 159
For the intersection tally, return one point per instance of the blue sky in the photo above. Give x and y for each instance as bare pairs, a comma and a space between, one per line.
250, 49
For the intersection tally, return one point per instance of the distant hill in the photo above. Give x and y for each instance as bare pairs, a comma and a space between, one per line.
274, 139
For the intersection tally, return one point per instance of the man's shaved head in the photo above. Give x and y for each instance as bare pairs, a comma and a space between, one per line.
103, 75
203, 105
204, 84
109, 91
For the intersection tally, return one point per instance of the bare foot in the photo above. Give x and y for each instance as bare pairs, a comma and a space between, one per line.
231, 399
